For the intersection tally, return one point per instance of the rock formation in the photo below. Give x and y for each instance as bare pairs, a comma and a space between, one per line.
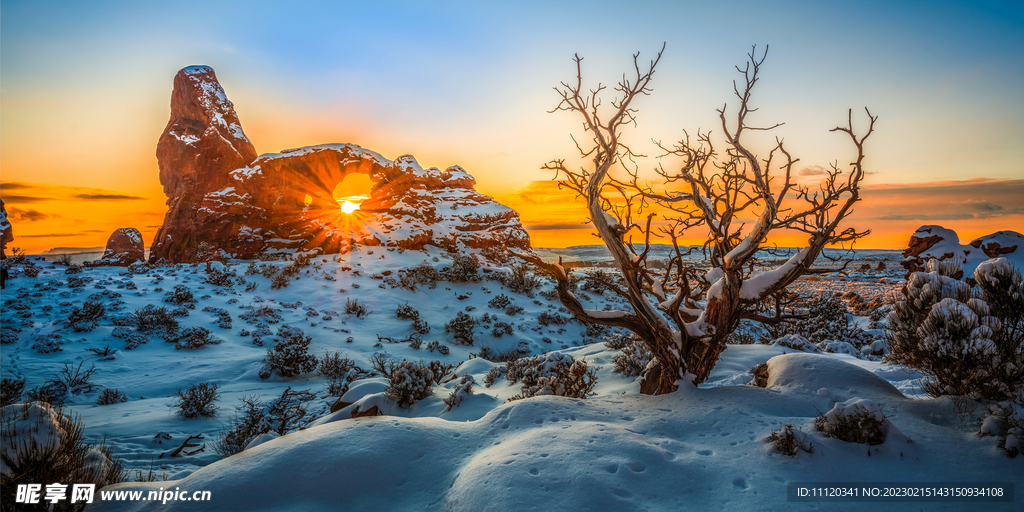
940, 243
219, 192
6, 230
124, 247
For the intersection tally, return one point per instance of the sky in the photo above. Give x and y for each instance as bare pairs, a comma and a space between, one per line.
85, 90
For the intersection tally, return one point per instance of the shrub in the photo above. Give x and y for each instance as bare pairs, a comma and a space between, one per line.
181, 296
461, 328
424, 273
789, 442
132, 340
463, 388
547, 319
967, 342
464, 269
196, 400
354, 307
262, 313
340, 372
42, 445
513, 310
192, 338
10, 391
493, 374
407, 312
281, 415
553, 373
1005, 420
501, 328
797, 342
855, 421
74, 380
218, 277
290, 355
633, 359
499, 302
409, 383
436, 345
48, 343
51, 392
9, 335
420, 326
520, 280
157, 319
280, 281
86, 318
111, 396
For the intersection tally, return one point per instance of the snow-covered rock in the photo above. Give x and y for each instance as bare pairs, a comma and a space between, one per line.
124, 247
6, 230
221, 193
937, 242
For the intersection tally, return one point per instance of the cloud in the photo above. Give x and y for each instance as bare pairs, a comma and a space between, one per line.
24, 199
813, 170
108, 197
941, 216
29, 215
52, 235
10, 185
980, 205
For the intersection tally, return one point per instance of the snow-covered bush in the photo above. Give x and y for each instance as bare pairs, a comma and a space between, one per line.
196, 400
87, 317
279, 416
424, 273
340, 372
262, 313
967, 341
219, 277
40, 446
520, 280
553, 373
48, 343
464, 269
633, 359
461, 328
155, 319
194, 337
827, 322
459, 392
619, 340
436, 345
494, 374
111, 396
181, 296
9, 335
1005, 420
290, 355
789, 442
10, 391
407, 312
409, 383
547, 319
499, 302
796, 342
857, 420
132, 339
501, 328
354, 307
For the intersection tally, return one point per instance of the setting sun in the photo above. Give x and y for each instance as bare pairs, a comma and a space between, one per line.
349, 207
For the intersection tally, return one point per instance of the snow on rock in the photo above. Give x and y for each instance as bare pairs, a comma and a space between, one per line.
796, 342
6, 230
221, 193
124, 247
937, 242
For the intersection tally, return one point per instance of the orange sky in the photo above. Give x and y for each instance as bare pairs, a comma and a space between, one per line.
85, 88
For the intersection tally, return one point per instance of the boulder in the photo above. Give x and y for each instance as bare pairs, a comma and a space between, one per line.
937, 242
124, 247
6, 230
219, 192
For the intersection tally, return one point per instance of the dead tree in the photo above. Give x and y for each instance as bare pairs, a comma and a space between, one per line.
682, 314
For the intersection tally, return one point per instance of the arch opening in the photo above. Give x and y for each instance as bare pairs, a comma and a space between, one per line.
352, 191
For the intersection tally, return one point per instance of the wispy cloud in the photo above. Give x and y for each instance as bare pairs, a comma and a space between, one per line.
24, 199
108, 197
29, 215
10, 185
52, 235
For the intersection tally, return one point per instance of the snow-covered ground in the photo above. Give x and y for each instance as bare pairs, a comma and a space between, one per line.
701, 449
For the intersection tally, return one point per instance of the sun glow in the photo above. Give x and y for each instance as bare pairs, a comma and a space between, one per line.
351, 203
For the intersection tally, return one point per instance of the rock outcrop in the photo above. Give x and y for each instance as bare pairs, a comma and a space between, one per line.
6, 230
124, 247
219, 192
937, 242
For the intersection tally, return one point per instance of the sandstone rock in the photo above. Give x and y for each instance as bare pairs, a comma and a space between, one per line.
937, 242
124, 247
6, 230
372, 411
219, 192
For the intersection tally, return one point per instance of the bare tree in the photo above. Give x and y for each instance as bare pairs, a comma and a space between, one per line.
710, 190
